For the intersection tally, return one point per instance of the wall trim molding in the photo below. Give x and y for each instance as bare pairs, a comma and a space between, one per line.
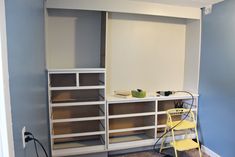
209, 152
6, 132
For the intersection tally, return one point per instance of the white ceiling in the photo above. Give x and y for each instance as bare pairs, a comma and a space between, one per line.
190, 3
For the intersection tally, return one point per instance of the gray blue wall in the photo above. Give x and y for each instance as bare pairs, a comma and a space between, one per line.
25, 37
217, 80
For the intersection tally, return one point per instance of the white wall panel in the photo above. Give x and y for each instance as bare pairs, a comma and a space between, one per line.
145, 52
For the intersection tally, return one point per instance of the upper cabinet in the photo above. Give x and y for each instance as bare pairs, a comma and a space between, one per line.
190, 9
148, 44
75, 39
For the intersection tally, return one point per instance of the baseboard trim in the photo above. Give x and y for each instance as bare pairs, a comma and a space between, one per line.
209, 151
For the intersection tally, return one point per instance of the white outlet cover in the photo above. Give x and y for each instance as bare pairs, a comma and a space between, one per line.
23, 137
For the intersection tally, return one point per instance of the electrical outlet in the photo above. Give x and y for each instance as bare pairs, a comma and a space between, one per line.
23, 136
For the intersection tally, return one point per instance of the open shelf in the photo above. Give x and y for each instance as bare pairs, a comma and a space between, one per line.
63, 80
131, 122
76, 112
77, 142
77, 103
162, 119
85, 31
131, 136
131, 108
91, 79
166, 105
74, 128
83, 95
160, 131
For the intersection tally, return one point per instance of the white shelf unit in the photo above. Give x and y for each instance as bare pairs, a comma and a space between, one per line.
112, 39
130, 124
136, 122
77, 115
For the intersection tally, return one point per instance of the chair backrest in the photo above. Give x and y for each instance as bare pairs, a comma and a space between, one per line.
177, 111
180, 112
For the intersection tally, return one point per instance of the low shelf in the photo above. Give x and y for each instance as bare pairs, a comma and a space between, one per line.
77, 104
76, 128
61, 136
84, 95
132, 115
131, 108
78, 142
78, 119
78, 112
138, 136
131, 122
131, 129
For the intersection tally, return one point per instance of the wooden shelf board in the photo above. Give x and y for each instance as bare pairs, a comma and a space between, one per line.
77, 88
112, 99
79, 70
78, 134
131, 144
77, 144
77, 151
75, 100
129, 138
131, 115
78, 119
178, 137
161, 126
164, 112
132, 129
77, 104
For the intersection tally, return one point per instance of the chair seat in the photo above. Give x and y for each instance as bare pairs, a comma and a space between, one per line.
185, 124
183, 145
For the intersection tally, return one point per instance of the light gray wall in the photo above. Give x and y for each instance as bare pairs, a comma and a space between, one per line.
25, 37
73, 39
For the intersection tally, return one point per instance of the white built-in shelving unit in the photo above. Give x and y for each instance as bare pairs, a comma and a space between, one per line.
133, 122
78, 111
96, 47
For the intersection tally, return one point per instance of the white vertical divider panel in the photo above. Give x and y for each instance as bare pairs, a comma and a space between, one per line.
192, 55
107, 125
77, 79
105, 82
156, 111
6, 132
50, 110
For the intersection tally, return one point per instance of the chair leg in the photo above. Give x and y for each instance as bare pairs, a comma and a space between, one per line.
176, 155
163, 141
199, 149
173, 137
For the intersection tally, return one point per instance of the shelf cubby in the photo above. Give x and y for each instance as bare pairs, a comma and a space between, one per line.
83, 95
162, 119
166, 105
75, 39
77, 142
131, 136
131, 122
91, 79
63, 80
75, 112
160, 132
74, 128
131, 108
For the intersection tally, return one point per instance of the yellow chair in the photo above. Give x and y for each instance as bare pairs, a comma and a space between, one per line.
184, 125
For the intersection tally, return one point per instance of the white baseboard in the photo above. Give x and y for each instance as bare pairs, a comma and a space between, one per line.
209, 152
